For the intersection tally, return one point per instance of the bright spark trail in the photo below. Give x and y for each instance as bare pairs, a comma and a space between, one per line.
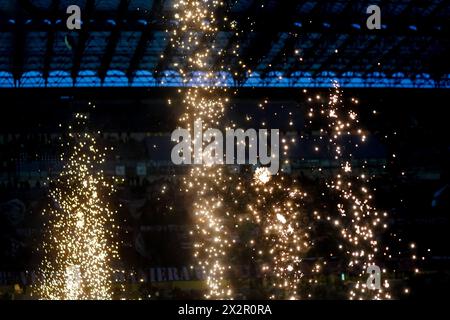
278, 212
194, 37
79, 246
359, 222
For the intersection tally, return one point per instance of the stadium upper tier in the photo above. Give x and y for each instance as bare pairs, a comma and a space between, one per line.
285, 44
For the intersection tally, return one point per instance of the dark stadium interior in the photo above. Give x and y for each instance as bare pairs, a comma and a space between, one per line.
112, 71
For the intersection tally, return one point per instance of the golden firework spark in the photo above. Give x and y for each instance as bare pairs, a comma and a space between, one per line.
79, 245
262, 175
194, 36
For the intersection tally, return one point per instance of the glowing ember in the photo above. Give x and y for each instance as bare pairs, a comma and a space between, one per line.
262, 175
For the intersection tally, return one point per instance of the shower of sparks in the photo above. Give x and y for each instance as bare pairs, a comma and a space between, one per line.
202, 68
194, 35
282, 242
79, 245
359, 222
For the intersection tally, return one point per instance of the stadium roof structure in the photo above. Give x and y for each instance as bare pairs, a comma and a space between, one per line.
287, 43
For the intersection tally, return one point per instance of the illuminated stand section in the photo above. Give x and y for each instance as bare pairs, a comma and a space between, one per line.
274, 79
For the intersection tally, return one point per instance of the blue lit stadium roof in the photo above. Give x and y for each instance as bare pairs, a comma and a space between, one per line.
290, 44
